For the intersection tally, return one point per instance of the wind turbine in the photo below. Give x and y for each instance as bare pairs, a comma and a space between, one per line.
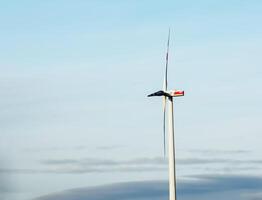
168, 96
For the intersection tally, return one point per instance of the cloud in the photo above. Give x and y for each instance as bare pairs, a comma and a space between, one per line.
109, 147
55, 148
72, 148
214, 183
145, 161
96, 165
107, 162
218, 151
7, 186
255, 195
196, 161
86, 165
201, 187
114, 191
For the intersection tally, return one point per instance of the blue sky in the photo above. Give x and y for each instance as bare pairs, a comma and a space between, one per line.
73, 83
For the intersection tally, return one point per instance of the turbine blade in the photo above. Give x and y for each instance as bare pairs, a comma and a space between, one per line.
158, 93
166, 66
164, 124
164, 97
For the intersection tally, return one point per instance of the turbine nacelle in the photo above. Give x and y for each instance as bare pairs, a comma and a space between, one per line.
172, 93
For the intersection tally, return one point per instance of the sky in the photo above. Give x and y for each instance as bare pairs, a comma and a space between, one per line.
75, 122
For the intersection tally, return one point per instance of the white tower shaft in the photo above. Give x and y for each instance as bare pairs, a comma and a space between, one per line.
168, 96
171, 151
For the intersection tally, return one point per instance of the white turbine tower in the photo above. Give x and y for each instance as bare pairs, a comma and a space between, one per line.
168, 95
